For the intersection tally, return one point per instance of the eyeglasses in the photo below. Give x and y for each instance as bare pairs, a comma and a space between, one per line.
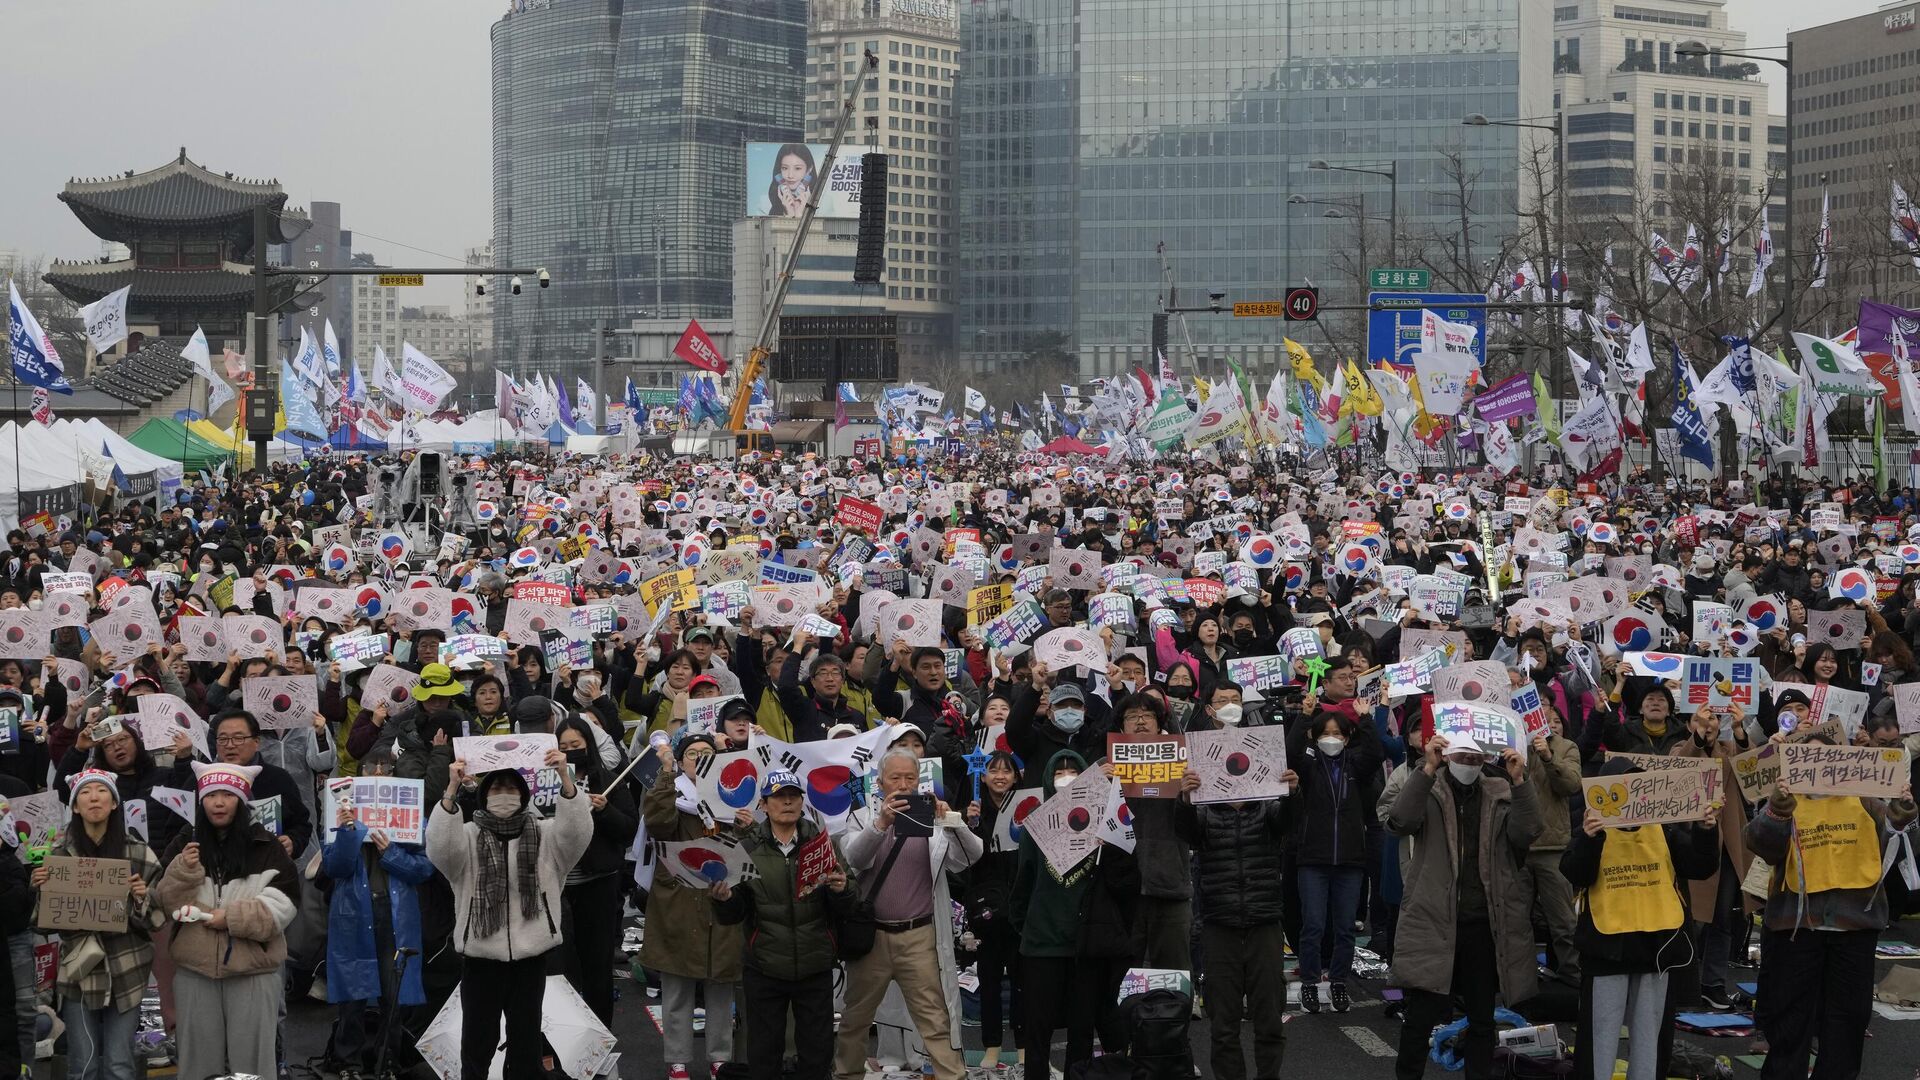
232, 740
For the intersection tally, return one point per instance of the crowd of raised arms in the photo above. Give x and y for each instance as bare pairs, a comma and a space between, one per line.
1065, 747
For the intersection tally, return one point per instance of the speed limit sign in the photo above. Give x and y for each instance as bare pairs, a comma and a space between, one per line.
1303, 303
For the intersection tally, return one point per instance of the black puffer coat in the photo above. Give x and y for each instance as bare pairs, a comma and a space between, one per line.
1239, 858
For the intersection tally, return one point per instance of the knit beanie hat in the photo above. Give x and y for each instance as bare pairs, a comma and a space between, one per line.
92, 776
220, 776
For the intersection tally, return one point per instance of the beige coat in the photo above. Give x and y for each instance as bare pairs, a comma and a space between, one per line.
1703, 894
1424, 940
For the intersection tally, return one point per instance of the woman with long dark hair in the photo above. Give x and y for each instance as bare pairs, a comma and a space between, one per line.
989, 904
239, 891
103, 974
591, 900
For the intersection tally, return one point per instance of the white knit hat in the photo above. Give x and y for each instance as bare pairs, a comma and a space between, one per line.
220, 776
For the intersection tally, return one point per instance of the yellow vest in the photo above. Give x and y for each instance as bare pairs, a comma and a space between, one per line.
1634, 893
1839, 842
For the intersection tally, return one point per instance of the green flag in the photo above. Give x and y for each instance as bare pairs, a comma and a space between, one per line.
1547, 409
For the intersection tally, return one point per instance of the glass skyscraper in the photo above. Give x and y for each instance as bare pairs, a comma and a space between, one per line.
1092, 133
619, 135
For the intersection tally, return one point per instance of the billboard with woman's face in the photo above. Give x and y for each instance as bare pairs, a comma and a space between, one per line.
781, 177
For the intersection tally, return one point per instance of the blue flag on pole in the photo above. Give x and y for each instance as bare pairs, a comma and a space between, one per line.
296, 399
1695, 441
35, 361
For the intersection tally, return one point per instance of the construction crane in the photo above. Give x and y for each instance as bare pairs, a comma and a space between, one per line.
763, 341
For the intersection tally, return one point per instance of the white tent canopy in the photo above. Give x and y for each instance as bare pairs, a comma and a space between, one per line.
38, 470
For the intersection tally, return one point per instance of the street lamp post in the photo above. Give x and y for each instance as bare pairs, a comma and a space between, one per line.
1555, 275
1388, 169
1699, 48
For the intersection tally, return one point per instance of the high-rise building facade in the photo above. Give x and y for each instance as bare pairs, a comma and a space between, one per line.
905, 110
325, 244
1094, 132
1856, 113
619, 129
1643, 120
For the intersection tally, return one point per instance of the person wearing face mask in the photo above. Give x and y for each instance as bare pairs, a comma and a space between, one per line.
1164, 924
506, 867
590, 904
1070, 721
1339, 764
1226, 706
987, 900
1464, 926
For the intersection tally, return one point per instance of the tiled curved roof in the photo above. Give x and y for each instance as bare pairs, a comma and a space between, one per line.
178, 193
83, 283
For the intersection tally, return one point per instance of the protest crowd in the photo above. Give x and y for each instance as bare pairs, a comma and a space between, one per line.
970, 766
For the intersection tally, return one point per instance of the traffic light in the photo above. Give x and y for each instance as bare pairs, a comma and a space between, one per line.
1160, 334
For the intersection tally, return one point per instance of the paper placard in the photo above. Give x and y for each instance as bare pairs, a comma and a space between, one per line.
1647, 798
281, 702
1709, 768
1066, 828
388, 804
85, 894
1756, 771
1148, 766
708, 861
1238, 764
1867, 771
1491, 727
489, 753
813, 863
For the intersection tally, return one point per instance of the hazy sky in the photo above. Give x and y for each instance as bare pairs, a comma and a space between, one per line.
379, 105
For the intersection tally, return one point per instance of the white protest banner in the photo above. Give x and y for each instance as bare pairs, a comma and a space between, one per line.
55, 581
1409, 677
703, 714
355, 651
490, 753
1067, 826
1258, 672
1711, 772
281, 702
1238, 764
1872, 772
105, 319
387, 804
1443, 379
423, 383
1481, 680
1647, 798
1490, 727
161, 716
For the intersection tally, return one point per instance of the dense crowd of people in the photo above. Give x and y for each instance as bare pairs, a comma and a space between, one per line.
964, 641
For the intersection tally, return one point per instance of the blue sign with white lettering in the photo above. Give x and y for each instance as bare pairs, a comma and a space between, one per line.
1393, 336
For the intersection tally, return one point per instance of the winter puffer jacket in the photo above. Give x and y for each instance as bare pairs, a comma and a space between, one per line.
1333, 801
1238, 850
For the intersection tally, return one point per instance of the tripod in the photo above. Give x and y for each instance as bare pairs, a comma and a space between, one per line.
389, 1005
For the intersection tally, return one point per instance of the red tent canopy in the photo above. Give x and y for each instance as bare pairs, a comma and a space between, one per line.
1067, 444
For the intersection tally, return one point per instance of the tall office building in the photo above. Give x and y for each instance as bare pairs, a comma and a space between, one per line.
325, 244
619, 129
1092, 132
906, 109
1642, 120
1855, 103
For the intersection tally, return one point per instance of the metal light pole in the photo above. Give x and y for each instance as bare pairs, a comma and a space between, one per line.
1388, 169
1698, 48
1555, 293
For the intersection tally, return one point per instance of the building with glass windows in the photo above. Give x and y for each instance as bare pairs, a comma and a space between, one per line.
619, 135
1092, 134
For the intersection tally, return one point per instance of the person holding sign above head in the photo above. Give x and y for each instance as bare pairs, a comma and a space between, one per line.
233, 890
1826, 906
1634, 929
506, 867
1465, 919
103, 972
372, 912
791, 937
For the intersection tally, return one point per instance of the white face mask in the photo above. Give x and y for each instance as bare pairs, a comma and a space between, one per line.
1064, 781
1228, 714
1465, 774
1331, 745
34, 603
503, 804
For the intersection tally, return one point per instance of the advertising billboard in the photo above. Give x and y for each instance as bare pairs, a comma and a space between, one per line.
781, 177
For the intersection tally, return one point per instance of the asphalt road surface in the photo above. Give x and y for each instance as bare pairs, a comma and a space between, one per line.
1360, 1043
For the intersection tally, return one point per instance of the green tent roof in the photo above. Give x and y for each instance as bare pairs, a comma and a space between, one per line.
171, 439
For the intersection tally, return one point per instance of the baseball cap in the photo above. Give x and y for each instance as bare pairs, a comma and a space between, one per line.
1066, 692
780, 780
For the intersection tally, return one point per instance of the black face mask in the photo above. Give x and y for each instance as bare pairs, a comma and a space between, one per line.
580, 760
1243, 638
1181, 692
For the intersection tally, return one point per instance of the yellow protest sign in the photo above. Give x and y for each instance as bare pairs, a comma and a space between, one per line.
988, 602
674, 587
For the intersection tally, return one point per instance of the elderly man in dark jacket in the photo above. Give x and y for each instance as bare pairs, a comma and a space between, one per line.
1242, 947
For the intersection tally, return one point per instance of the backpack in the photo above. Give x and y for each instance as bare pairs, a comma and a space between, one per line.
1157, 1037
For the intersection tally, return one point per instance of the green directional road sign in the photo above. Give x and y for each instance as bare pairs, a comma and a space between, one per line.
1383, 278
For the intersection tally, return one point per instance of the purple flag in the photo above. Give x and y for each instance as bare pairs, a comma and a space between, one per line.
1881, 323
1506, 399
